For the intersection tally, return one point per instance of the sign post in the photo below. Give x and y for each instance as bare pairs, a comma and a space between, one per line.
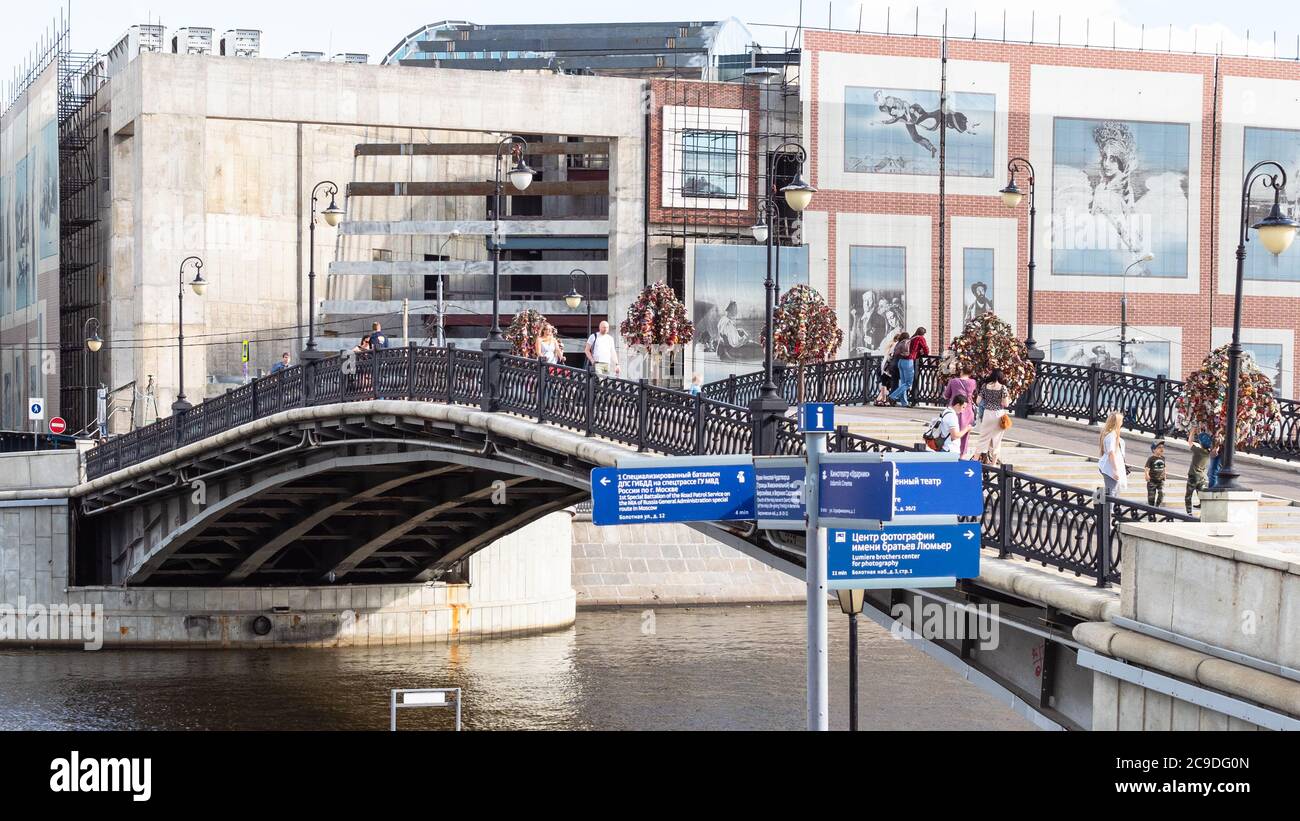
35, 414
816, 421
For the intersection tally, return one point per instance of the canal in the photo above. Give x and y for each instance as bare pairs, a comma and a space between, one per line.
717, 668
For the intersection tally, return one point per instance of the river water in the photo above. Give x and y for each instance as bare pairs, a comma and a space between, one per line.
714, 668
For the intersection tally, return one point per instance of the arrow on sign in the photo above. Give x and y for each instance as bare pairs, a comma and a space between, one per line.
605, 482
968, 535
969, 473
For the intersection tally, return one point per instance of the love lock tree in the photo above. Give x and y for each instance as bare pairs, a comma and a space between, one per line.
525, 329
805, 331
1202, 403
987, 343
657, 324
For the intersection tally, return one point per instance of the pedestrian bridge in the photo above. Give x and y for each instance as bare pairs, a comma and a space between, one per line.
431, 453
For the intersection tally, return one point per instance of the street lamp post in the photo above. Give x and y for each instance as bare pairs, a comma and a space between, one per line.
521, 176
763, 232
1123, 311
199, 284
93, 344
442, 265
574, 299
851, 602
1011, 197
332, 216
770, 406
1276, 233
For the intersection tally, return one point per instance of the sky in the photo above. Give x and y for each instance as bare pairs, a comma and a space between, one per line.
335, 26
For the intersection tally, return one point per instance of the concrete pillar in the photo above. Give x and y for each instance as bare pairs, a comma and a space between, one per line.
1239, 508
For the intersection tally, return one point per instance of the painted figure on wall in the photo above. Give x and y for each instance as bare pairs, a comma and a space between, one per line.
878, 293
1119, 189
1281, 146
728, 304
977, 276
1146, 358
896, 131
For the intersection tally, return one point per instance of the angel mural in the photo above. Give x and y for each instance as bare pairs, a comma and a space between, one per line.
1119, 189
896, 131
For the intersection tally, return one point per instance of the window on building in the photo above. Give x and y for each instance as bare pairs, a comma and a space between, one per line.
677, 271
710, 164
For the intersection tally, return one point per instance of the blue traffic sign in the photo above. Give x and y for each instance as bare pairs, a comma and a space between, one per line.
817, 417
902, 553
778, 493
934, 488
855, 491
673, 492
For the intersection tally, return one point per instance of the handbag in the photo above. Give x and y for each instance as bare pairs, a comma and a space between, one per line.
1005, 421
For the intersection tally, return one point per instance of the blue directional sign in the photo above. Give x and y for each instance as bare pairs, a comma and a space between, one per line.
938, 489
673, 492
817, 417
854, 491
778, 492
912, 555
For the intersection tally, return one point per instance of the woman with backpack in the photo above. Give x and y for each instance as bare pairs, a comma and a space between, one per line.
995, 398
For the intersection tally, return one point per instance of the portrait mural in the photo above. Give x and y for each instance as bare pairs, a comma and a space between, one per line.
49, 190
728, 304
1145, 358
977, 283
1119, 189
1282, 146
878, 297
896, 131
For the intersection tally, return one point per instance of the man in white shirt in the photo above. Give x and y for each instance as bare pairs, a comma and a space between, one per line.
602, 353
950, 425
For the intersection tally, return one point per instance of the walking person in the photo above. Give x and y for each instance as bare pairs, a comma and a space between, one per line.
994, 397
1154, 471
963, 384
548, 347
916, 348
1198, 480
889, 370
1114, 472
602, 353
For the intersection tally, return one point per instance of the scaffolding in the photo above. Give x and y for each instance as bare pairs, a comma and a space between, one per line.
82, 273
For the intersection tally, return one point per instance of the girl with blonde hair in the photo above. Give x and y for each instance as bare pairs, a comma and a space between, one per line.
1114, 473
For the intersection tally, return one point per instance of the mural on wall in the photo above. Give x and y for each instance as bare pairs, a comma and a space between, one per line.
878, 297
24, 262
1119, 189
6, 244
1268, 358
1144, 358
896, 131
977, 282
729, 300
1282, 146
49, 190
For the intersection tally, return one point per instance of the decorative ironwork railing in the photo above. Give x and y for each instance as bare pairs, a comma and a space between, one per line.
1057, 525
1068, 391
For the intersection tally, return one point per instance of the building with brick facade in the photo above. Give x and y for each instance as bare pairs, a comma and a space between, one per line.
1133, 152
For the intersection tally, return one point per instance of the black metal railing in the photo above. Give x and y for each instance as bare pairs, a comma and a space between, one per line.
1055, 524
1086, 393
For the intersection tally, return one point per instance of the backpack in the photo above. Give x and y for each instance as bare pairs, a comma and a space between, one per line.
934, 440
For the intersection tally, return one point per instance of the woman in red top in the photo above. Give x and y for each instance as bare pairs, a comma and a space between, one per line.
907, 367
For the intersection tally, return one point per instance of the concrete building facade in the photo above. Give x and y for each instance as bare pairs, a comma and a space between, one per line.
218, 157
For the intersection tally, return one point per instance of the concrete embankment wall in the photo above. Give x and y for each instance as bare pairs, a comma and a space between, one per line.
665, 565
